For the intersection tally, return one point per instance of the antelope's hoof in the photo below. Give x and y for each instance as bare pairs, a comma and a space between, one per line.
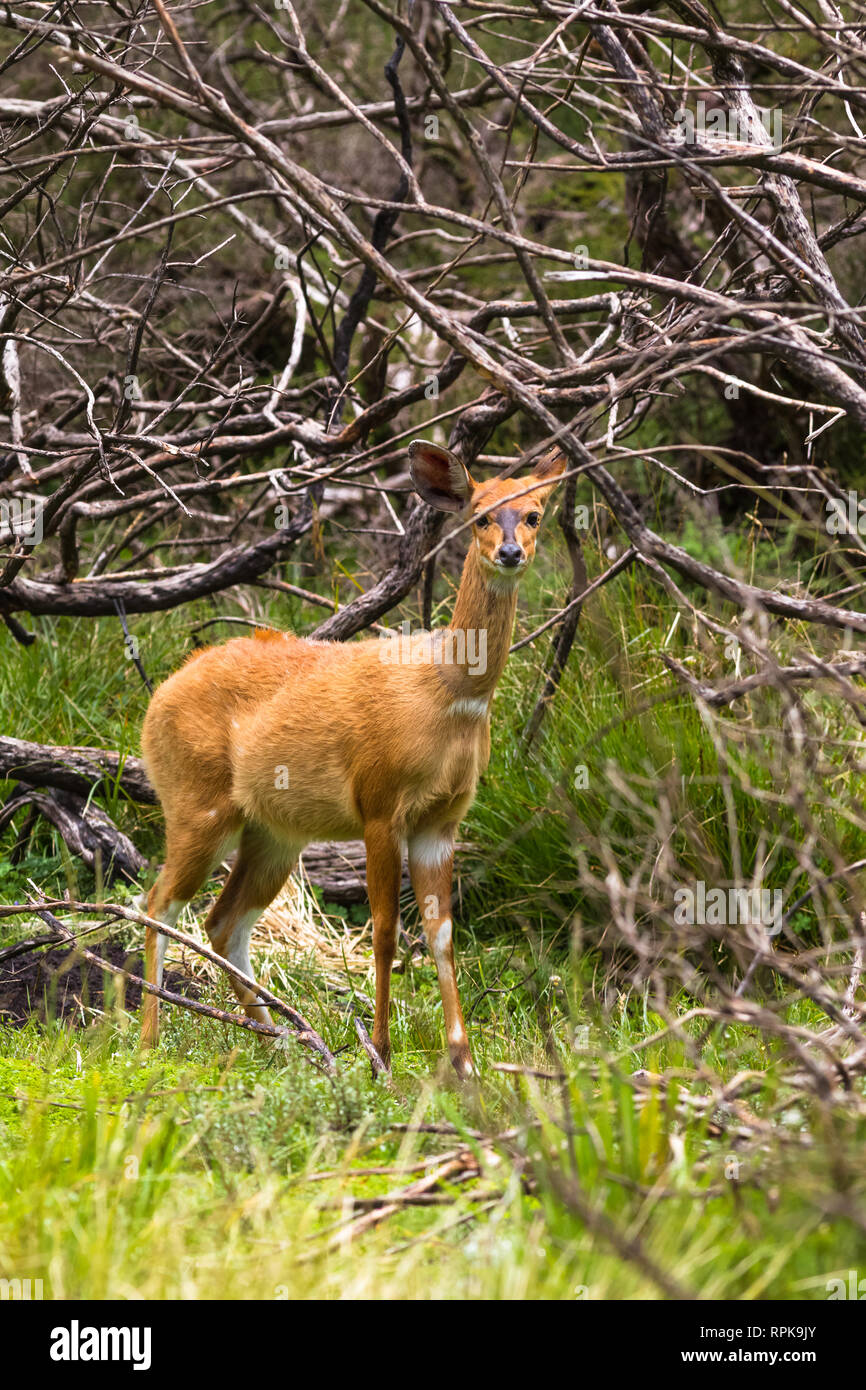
461, 1061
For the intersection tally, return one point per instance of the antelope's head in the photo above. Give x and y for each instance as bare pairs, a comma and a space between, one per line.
505, 512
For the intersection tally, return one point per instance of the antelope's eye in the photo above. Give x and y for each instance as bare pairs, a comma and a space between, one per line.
533, 519
482, 521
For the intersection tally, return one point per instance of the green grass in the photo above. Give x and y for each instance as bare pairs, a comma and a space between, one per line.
187, 1173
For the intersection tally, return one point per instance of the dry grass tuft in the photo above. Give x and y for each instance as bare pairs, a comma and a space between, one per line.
295, 922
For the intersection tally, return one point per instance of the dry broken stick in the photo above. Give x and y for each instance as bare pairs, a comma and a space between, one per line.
346, 1001
378, 1066
814, 670
456, 1169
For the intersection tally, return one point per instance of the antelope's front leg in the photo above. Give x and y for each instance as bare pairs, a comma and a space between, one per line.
431, 857
383, 890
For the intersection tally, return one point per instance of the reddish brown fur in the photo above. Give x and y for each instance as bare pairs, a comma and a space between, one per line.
281, 740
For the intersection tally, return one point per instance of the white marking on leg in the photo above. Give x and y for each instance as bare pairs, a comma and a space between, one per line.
237, 950
430, 849
442, 943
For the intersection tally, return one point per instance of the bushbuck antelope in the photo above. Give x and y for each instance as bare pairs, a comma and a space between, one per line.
271, 741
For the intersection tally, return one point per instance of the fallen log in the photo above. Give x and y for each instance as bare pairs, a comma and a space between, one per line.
340, 870
89, 832
75, 769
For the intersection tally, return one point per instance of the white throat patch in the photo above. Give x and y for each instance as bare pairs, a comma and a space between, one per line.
471, 707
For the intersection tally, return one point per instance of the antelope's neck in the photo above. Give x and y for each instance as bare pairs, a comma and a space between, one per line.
482, 623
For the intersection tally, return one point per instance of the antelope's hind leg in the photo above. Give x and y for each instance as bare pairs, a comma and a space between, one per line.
262, 866
192, 852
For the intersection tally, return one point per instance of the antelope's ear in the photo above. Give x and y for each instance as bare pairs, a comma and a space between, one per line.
439, 476
549, 470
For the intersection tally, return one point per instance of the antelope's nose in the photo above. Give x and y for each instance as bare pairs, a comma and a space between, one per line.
510, 555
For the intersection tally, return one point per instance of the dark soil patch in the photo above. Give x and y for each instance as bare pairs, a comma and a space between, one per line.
61, 984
